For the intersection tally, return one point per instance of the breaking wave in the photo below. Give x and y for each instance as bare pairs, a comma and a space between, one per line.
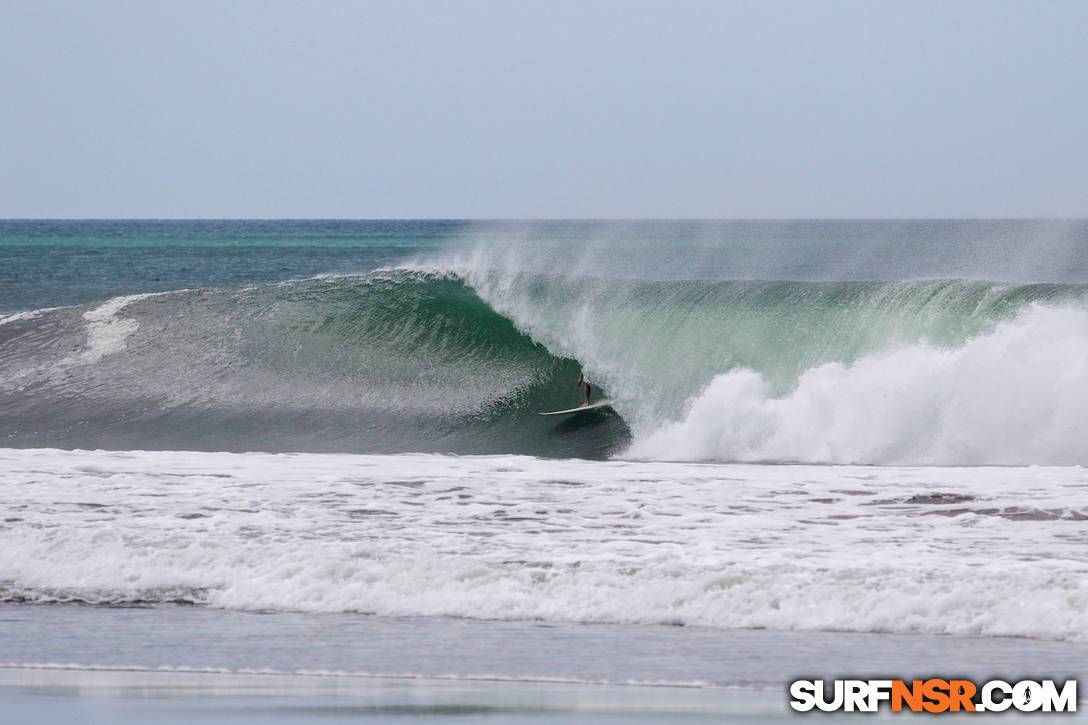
461, 358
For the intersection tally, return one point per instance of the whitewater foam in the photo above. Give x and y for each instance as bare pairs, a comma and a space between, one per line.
985, 551
460, 359
104, 334
947, 372
1015, 396
106, 330
26, 315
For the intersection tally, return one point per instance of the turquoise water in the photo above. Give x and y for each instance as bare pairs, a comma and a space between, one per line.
47, 263
450, 336
938, 345
53, 263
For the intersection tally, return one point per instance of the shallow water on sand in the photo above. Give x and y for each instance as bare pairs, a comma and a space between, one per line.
171, 663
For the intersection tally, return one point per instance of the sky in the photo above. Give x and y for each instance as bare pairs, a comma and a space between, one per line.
508, 109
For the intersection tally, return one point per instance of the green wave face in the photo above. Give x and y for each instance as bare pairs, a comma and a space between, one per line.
380, 363
657, 345
455, 362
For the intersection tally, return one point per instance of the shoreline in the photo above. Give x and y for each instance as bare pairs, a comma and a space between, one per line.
94, 696
175, 639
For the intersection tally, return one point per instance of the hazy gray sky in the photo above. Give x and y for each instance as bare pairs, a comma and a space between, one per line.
543, 109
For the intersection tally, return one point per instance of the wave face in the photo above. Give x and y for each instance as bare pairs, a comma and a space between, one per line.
379, 363
459, 356
925, 372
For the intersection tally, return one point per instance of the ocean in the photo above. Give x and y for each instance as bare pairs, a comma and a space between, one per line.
834, 448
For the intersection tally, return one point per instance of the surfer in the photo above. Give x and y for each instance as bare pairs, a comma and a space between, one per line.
582, 381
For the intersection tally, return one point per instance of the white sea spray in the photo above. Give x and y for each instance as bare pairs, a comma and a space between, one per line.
985, 551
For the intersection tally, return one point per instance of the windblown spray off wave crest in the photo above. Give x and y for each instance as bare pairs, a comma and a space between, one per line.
925, 372
459, 356
457, 352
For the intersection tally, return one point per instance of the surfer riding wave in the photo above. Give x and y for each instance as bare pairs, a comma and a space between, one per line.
582, 382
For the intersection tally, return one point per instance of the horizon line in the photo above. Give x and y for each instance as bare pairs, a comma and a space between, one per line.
540, 219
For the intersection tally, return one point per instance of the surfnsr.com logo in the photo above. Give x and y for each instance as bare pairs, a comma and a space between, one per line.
933, 695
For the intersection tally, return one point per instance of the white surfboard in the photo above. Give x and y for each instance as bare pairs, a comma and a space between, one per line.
581, 409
